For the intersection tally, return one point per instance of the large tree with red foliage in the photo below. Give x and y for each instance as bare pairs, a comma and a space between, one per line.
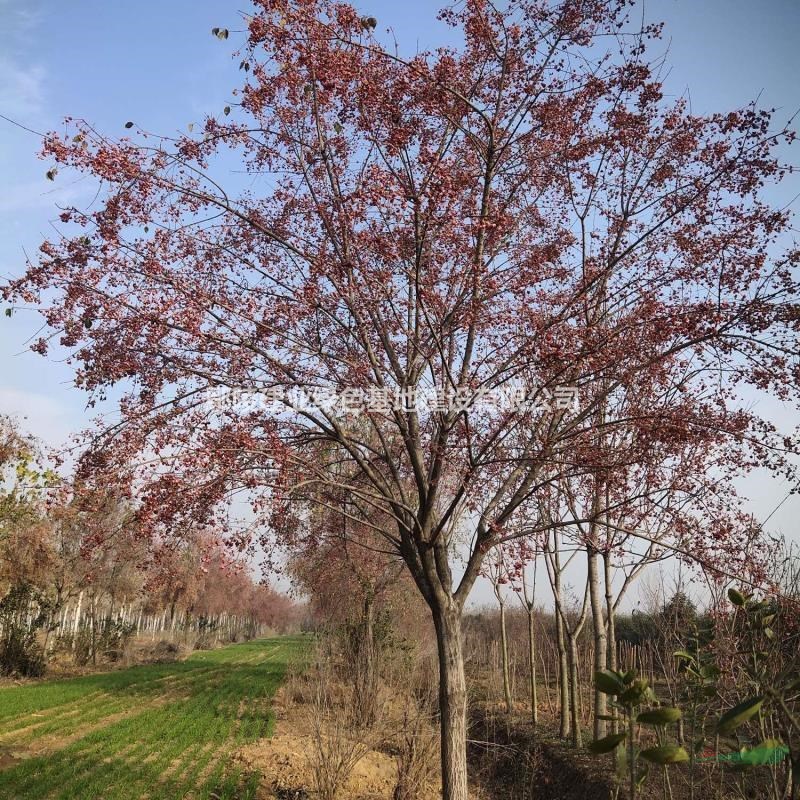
524, 208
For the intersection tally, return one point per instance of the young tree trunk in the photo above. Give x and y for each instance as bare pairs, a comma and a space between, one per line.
366, 682
77, 621
600, 641
563, 666
452, 703
504, 647
93, 611
611, 629
611, 643
532, 667
563, 679
574, 689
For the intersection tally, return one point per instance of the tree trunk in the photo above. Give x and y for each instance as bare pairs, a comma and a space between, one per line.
563, 679
366, 682
504, 646
611, 644
574, 689
532, 667
611, 629
93, 607
452, 704
77, 620
600, 641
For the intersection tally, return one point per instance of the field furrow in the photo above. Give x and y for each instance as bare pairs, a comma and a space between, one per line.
164, 731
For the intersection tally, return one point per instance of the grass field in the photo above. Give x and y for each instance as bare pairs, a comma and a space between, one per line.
154, 732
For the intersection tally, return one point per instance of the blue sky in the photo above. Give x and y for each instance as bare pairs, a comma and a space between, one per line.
157, 63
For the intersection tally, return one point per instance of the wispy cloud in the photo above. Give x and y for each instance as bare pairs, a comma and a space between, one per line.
21, 89
22, 78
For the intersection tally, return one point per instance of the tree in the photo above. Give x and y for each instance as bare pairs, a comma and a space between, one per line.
20, 481
526, 592
442, 223
498, 574
350, 579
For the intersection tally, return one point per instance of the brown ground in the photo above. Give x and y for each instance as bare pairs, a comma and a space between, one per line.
507, 761
521, 765
284, 762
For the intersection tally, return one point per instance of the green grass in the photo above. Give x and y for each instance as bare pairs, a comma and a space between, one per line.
159, 731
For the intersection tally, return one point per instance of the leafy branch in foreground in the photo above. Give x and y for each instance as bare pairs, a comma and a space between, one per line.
767, 665
630, 695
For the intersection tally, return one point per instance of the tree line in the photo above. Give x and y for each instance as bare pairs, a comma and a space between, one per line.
79, 576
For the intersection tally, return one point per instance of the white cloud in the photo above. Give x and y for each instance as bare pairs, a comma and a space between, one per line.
21, 89
21, 80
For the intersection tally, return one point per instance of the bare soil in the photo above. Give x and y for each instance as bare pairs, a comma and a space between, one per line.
508, 760
285, 762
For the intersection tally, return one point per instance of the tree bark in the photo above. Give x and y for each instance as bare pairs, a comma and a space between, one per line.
611, 633
77, 620
563, 679
532, 667
600, 640
563, 667
452, 703
574, 689
365, 671
504, 646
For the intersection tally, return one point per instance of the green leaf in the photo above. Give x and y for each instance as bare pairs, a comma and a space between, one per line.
9, 312
608, 682
638, 693
684, 655
129, 124
628, 677
226, 110
659, 716
736, 597
666, 754
606, 744
738, 715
